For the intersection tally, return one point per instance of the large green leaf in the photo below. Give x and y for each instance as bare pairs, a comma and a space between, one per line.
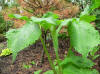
83, 36
77, 65
71, 69
20, 38
78, 62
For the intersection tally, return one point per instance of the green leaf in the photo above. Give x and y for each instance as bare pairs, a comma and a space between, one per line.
46, 23
49, 72
70, 69
43, 20
17, 16
88, 18
83, 36
77, 65
20, 38
32, 62
38, 72
27, 66
78, 62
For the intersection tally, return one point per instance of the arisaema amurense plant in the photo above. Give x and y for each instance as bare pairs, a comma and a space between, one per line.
83, 38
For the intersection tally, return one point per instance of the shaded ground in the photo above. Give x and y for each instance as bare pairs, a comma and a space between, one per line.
33, 53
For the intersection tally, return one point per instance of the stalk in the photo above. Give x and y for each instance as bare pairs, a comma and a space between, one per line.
55, 44
48, 55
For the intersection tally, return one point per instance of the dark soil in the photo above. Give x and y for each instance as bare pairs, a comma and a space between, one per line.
33, 53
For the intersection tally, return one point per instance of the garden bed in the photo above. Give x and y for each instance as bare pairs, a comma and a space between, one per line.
33, 53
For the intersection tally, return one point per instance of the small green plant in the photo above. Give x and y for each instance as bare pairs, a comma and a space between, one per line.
26, 66
83, 38
77, 32
33, 63
5, 52
38, 72
29, 65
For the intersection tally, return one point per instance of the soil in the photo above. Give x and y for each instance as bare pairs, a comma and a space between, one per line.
33, 53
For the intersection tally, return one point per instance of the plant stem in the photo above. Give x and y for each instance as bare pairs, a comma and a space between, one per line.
42, 56
55, 44
48, 55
